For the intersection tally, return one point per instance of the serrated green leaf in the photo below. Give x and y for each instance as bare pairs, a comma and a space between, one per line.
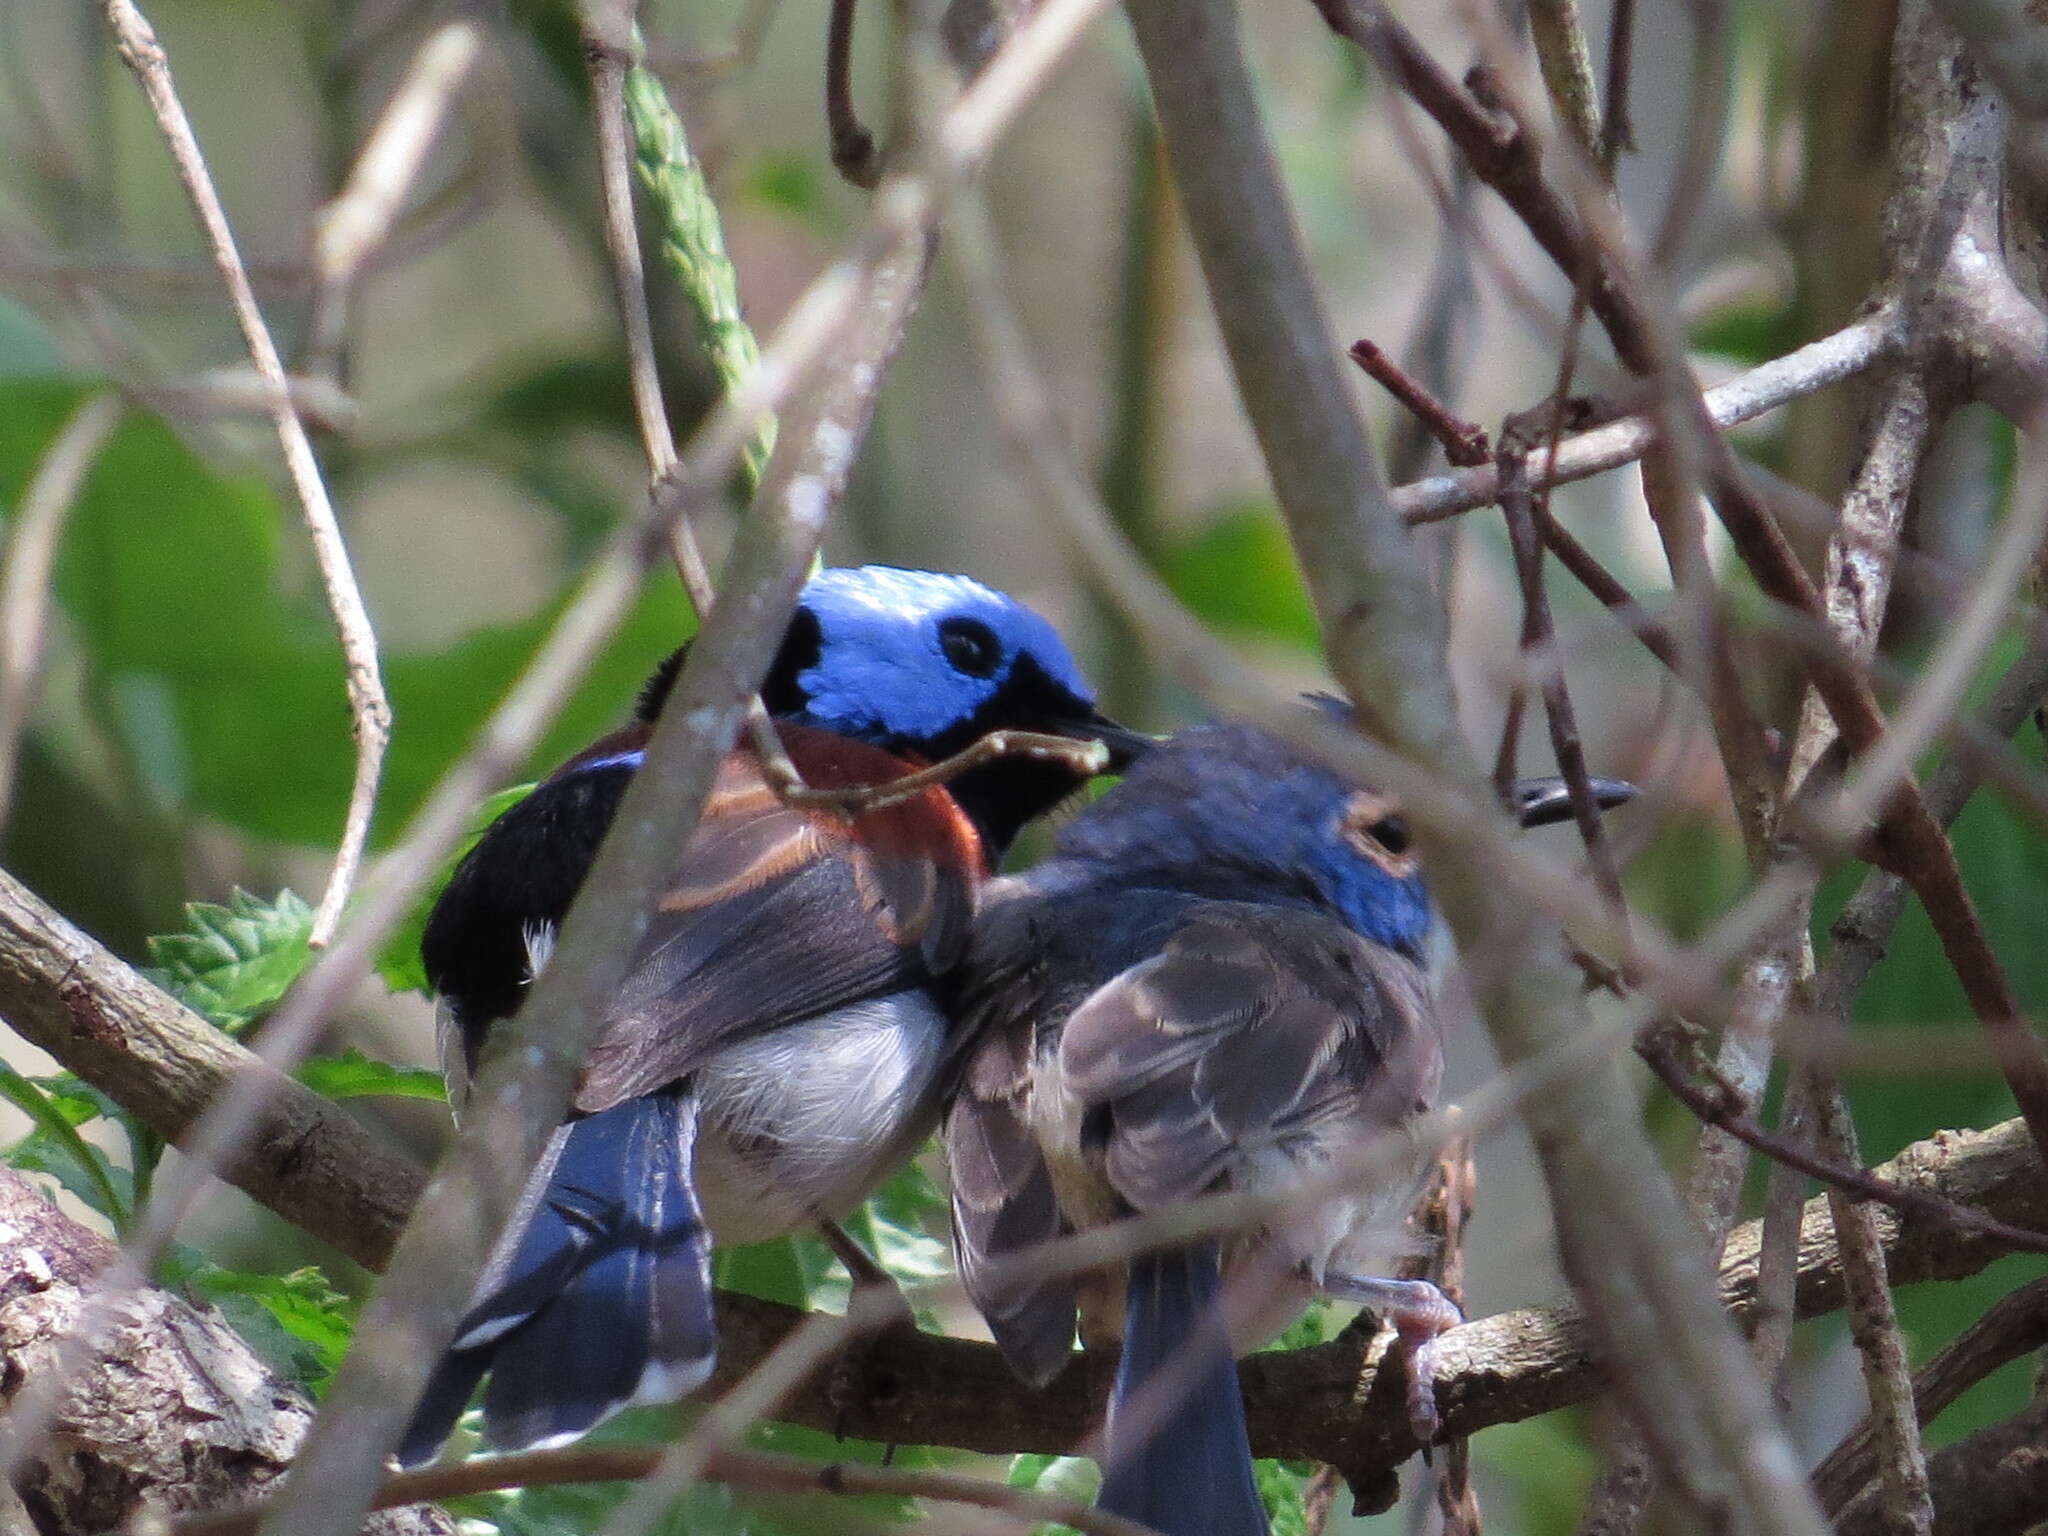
297, 1321
232, 963
399, 963
353, 1075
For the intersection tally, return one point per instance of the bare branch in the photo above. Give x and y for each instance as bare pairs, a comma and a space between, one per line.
307, 1159
175, 1413
370, 711
761, 1471
1991, 1484
1815, 366
2016, 1325
1623, 1236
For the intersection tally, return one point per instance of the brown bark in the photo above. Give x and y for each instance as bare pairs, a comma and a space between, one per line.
173, 1412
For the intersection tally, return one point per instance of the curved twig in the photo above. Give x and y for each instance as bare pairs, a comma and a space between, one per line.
370, 710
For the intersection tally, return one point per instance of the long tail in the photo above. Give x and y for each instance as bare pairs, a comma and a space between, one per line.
602, 1297
1179, 1458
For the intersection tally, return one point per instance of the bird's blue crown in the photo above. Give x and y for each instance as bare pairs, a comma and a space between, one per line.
907, 657
1229, 811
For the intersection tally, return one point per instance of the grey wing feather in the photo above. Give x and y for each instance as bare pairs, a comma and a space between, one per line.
1003, 1205
1252, 1026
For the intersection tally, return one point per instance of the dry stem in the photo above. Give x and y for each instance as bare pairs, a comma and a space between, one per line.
370, 711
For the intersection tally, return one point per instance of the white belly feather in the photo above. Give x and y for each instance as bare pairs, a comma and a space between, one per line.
804, 1121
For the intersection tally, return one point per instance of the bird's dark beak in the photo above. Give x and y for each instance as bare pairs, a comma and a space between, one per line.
1540, 802
1125, 745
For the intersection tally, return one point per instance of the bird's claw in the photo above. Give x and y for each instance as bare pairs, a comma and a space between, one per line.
1420, 1315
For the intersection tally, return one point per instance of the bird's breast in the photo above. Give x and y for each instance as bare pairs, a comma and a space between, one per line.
804, 1121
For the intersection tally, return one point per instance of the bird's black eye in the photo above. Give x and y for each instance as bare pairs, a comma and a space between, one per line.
971, 646
1371, 825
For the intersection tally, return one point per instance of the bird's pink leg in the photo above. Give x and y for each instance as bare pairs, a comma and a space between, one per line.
1420, 1315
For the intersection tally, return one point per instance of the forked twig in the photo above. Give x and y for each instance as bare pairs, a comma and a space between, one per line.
370, 710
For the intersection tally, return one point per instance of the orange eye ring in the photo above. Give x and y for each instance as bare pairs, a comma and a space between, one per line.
1371, 823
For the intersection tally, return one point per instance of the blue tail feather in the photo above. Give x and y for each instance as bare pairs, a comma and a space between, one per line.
1191, 1475
605, 1299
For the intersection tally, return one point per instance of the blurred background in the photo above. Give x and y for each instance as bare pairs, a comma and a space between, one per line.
192, 736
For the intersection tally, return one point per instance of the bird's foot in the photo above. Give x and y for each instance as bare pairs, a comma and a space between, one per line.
1420, 1315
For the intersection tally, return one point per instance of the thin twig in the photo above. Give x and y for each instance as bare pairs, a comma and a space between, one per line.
1464, 442
1853, 350
33, 536
358, 220
764, 1471
1539, 633
1719, 1105
1874, 1326
755, 1398
370, 711
1085, 758
608, 46
854, 153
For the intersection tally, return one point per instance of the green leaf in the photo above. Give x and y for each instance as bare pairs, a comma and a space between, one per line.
1750, 331
298, 1322
54, 1147
1239, 574
1282, 1490
26, 347
224, 682
1067, 1477
1312, 1327
233, 963
352, 1075
400, 964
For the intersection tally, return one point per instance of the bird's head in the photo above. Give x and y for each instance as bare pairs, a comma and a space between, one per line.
923, 664
1229, 811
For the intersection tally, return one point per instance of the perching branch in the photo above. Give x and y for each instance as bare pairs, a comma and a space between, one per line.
307, 1158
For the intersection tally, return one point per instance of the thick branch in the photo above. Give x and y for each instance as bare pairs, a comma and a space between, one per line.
174, 1413
308, 1160
1623, 1237
1992, 1484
